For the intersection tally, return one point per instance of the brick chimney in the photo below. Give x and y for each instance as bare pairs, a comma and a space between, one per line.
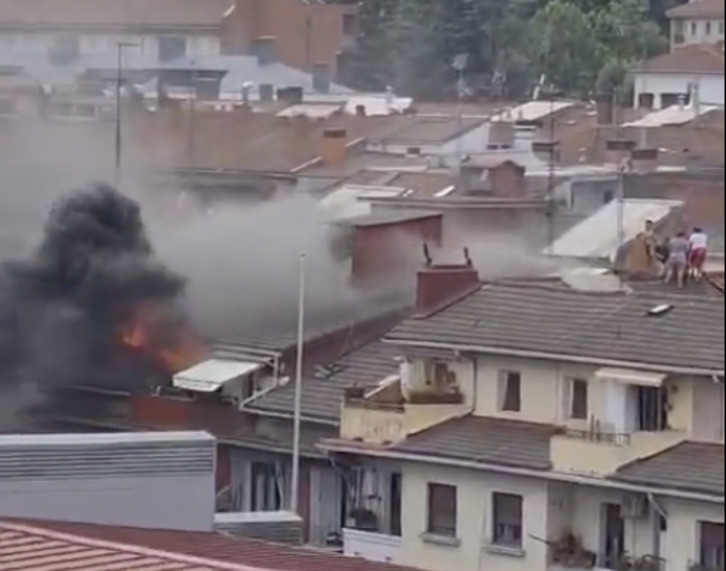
604, 108
644, 160
333, 149
618, 149
440, 285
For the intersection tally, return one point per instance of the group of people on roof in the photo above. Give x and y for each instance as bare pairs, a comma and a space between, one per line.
680, 257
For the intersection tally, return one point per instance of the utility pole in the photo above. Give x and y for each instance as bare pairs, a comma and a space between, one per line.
117, 134
297, 413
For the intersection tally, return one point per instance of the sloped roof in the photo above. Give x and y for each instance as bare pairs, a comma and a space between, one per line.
31, 547
539, 319
689, 466
697, 9
689, 59
486, 440
322, 397
113, 13
213, 551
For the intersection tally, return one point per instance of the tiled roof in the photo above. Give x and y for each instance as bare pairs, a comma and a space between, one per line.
543, 320
260, 555
421, 129
697, 9
486, 440
31, 548
322, 397
113, 13
689, 466
687, 59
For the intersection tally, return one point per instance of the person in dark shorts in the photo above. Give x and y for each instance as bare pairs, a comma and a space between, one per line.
677, 263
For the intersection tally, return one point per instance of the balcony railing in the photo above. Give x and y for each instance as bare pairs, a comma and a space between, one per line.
614, 438
371, 545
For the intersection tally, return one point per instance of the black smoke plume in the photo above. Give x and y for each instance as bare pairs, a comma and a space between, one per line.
61, 309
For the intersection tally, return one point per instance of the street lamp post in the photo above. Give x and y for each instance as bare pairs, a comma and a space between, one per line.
117, 135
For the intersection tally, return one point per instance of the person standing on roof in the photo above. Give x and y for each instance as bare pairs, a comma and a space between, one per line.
677, 264
698, 249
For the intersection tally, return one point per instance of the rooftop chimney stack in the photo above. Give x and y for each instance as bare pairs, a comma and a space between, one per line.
333, 149
644, 160
439, 285
604, 108
265, 50
322, 77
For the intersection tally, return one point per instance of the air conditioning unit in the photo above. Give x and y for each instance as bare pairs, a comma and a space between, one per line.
635, 506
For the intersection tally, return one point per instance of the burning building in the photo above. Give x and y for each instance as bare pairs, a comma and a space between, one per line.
93, 305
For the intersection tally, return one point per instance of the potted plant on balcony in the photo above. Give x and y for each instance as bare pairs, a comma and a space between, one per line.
433, 397
569, 552
364, 519
642, 563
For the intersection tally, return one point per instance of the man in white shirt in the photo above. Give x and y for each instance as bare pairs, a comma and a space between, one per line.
698, 242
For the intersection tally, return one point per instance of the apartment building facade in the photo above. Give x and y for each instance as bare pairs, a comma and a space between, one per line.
536, 427
692, 72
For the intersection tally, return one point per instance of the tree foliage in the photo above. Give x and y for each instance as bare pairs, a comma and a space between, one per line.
577, 45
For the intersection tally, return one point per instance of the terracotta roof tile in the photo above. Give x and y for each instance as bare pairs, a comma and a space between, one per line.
689, 466
262, 555
30, 547
687, 59
600, 327
697, 9
486, 440
113, 13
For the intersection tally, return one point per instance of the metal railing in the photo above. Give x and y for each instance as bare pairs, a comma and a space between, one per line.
596, 435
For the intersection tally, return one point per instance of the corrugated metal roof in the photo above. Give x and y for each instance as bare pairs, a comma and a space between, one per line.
597, 236
27, 548
59, 456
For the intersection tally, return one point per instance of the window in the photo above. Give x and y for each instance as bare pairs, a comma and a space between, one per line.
510, 386
266, 492
64, 49
720, 28
507, 520
694, 28
350, 24
708, 28
441, 510
577, 398
711, 554
172, 47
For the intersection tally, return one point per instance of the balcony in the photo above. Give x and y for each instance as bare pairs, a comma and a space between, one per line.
599, 452
381, 415
371, 545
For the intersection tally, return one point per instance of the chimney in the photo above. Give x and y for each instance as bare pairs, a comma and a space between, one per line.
322, 75
618, 149
501, 135
290, 95
266, 92
471, 177
440, 285
604, 107
644, 160
360, 110
333, 147
265, 50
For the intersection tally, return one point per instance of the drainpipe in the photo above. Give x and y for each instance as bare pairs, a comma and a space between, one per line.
657, 509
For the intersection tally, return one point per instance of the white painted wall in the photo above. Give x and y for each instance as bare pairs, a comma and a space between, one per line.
99, 43
696, 32
711, 87
682, 546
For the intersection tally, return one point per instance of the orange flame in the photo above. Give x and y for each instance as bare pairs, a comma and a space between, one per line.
150, 331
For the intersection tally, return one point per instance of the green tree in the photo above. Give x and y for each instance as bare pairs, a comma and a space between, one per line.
563, 47
624, 32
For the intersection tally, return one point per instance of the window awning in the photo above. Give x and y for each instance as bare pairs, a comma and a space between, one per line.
630, 377
211, 375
